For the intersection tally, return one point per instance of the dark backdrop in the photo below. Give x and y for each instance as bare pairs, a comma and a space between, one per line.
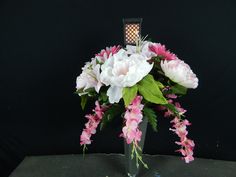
45, 43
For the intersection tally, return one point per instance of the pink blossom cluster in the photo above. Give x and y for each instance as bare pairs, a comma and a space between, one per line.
187, 145
106, 53
160, 50
133, 117
169, 113
91, 125
180, 129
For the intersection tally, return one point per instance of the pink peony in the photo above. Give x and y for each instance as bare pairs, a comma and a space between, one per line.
179, 72
160, 50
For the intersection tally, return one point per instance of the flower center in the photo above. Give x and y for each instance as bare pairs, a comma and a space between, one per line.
122, 70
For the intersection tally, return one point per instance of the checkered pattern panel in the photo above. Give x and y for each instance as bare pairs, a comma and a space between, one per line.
132, 32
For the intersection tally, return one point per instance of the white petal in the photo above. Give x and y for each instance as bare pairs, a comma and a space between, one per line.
114, 94
131, 49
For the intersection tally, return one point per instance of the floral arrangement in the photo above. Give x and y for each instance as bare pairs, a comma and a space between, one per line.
137, 82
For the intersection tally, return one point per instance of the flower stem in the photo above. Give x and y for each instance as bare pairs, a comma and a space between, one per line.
138, 157
84, 149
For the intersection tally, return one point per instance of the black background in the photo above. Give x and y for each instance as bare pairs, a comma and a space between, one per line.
44, 44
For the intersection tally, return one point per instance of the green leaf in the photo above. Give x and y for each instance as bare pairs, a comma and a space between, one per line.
129, 93
179, 89
90, 92
159, 84
79, 91
83, 102
157, 58
148, 88
103, 97
151, 116
109, 115
172, 108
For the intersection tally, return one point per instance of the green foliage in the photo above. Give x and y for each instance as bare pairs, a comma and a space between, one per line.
129, 93
103, 97
159, 84
157, 58
151, 116
90, 92
149, 89
172, 108
179, 89
84, 149
137, 153
84, 99
79, 91
84, 95
110, 114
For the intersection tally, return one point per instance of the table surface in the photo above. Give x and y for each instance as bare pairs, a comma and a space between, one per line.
113, 165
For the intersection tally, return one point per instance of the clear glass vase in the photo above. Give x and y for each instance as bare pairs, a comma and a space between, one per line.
131, 168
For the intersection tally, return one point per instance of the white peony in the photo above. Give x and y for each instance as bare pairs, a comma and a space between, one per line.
123, 70
143, 50
179, 72
90, 77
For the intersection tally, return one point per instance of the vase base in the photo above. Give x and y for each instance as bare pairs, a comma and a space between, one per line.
156, 174
131, 175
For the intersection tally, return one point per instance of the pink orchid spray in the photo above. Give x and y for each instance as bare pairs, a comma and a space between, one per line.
180, 129
131, 132
187, 145
92, 124
133, 117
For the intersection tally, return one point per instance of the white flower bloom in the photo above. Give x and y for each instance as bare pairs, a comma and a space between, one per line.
179, 72
121, 70
90, 77
143, 50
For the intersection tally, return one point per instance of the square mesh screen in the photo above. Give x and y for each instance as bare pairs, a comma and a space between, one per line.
132, 32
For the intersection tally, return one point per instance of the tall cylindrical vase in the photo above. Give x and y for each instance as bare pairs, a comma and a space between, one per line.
131, 167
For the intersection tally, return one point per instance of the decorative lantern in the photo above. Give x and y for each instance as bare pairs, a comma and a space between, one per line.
132, 30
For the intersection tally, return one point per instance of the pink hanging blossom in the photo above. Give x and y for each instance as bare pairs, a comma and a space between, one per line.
173, 96
92, 124
106, 53
133, 117
179, 108
180, 129
186, 149
160, 50
169, 113
187, 145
